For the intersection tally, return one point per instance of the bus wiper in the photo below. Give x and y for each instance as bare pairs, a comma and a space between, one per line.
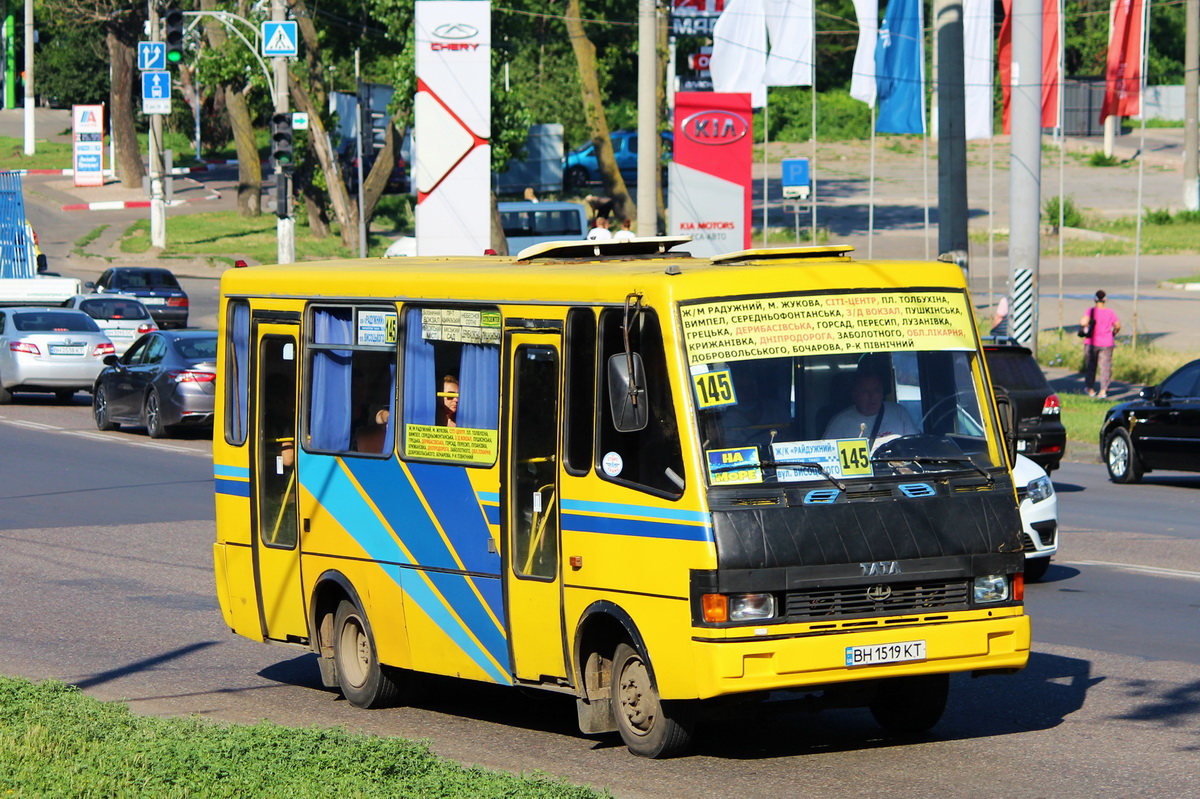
808, 465
933, 459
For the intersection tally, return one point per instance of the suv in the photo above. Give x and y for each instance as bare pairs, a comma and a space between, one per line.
156, 287
580, 166
1041, 436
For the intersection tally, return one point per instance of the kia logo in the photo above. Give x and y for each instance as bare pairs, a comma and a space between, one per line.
455, 30
715, 127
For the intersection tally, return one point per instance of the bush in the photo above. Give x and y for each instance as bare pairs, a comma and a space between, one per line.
1161, 216
1100, 159
1071, 216
1145, 365
839, 116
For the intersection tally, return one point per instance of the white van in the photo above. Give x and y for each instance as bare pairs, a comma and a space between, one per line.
528, 223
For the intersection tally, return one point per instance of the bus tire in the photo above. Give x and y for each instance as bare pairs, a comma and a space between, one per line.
911, 705
363, 680
649, 726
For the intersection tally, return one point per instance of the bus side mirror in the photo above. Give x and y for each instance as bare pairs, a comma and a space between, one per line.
627, 392
1008, 423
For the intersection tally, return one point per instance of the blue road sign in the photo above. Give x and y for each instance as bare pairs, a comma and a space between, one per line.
156, 92
280, 39
796, 180
152, 55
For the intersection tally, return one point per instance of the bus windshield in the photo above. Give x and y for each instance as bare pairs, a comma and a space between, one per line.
870, 406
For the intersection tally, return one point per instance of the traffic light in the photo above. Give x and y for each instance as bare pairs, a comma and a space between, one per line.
173, 34
281, 139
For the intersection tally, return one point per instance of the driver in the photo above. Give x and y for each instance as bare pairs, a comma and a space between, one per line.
870, 416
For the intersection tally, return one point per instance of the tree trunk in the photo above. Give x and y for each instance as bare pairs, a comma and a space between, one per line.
593, 112
249, 198
343, 210
129, 164
499, 240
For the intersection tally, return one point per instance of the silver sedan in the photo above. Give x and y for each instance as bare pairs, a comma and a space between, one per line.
57, 350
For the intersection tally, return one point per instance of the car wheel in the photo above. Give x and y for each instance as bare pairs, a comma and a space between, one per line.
911, 705
153, 414
575, 177
649, 726
1120, 458
1035, 569
100, 410
364, 681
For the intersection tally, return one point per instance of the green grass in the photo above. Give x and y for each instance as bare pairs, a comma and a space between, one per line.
46, 155
1082, 416
55, 741
81, 246
1175, 237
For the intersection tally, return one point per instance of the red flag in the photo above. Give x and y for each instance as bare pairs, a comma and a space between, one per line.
1050, 59
1123, 77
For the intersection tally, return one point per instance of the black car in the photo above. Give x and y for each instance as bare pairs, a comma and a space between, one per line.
1161, 430
398, 180
1041, 436
156, 287
165, 380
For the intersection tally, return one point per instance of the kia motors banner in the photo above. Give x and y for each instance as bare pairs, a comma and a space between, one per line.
452, 168
709, 179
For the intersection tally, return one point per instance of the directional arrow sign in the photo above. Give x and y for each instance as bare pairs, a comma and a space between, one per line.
279, 39
156, 92
152, 55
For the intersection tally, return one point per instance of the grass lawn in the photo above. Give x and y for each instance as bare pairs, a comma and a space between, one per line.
56, 741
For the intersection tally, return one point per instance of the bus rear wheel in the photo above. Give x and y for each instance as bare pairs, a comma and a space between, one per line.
911, 705
364, 681
649, 726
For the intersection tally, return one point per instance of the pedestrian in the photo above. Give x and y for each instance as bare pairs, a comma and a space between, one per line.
1099, 328
600, 232
626, 231
1000, 319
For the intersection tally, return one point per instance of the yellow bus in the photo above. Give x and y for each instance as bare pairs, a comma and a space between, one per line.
613, 470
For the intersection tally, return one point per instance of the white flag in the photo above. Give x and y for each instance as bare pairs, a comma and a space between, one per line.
862, 81
977, 67
790, 29
739, 55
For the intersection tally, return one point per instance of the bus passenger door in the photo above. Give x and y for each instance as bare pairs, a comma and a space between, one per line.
532, 553
276, 535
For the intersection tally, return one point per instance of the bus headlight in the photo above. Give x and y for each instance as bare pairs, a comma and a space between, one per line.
991, 588
748, 607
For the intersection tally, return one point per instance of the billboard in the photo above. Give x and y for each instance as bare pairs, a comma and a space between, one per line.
453, 126
709, 186
88, 139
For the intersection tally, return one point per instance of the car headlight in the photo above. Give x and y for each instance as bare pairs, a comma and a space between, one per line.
1040, 489
991, 588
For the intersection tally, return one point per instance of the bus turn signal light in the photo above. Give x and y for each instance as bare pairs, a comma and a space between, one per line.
716, 608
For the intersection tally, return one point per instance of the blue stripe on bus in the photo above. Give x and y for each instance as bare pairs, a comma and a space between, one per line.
450, 495
223, 470
233, 488
623, 509
634, 527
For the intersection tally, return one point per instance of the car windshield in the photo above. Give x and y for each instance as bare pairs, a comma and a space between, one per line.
114, 309
54, 322
197, 349
146, 279
781, 397
1015, 370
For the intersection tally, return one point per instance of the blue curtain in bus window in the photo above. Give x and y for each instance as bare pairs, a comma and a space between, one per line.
420, 394
479, 386
329, 417
239, 390
389, 434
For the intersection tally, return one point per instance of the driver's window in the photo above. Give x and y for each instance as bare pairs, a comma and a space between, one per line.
1182, 383
134, 356
155, 351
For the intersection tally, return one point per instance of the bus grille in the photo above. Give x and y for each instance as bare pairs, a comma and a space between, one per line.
877, 599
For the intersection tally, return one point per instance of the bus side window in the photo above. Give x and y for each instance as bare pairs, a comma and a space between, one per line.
580, 390
649, 458
237, 371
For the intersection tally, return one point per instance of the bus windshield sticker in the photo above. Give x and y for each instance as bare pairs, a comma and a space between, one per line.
460, 444
730, 466
844, 457
714, 389
376, 327
822, 324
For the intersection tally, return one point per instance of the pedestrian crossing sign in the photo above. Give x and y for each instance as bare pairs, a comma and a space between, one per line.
279, 39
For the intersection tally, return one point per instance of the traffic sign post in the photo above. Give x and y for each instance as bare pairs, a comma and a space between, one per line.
280, 39
156, 92
151, 56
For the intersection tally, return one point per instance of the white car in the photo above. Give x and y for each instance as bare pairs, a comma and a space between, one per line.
122, 317
1039, 516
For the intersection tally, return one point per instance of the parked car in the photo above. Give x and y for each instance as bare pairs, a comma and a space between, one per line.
1160, 430
122, 317
529, 223
580, 166
1039, 516
165, 380
1040, 433
59, 350
156, 287
398, 180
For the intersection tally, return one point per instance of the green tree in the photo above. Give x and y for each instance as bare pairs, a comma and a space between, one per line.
72, 64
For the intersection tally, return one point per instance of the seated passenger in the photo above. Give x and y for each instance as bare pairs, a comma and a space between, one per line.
372, 437
870, 416
447, 408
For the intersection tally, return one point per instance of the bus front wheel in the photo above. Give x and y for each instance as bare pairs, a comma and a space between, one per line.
364, 681
649, 726
911, 705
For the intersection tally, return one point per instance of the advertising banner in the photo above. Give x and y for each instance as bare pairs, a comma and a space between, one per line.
452, 168
88, 138
709, 182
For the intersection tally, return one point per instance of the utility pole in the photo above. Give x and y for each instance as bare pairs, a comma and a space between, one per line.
29, 77
1025, 180
158, 199
952, 129
1191, 107
285, 227
647, 119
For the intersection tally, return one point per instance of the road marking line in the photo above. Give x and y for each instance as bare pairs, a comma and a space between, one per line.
1155, 570
97, 436
34, 425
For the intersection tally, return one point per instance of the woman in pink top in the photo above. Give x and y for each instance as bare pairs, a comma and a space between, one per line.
1103, 326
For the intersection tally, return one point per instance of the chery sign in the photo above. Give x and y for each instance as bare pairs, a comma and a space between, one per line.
453, 125
709, 182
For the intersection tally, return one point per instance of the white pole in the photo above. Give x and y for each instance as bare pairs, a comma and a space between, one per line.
812, 167
1062, 157
1137, 247
29, 103
766, 201
925, 166
871, 195
991, 214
